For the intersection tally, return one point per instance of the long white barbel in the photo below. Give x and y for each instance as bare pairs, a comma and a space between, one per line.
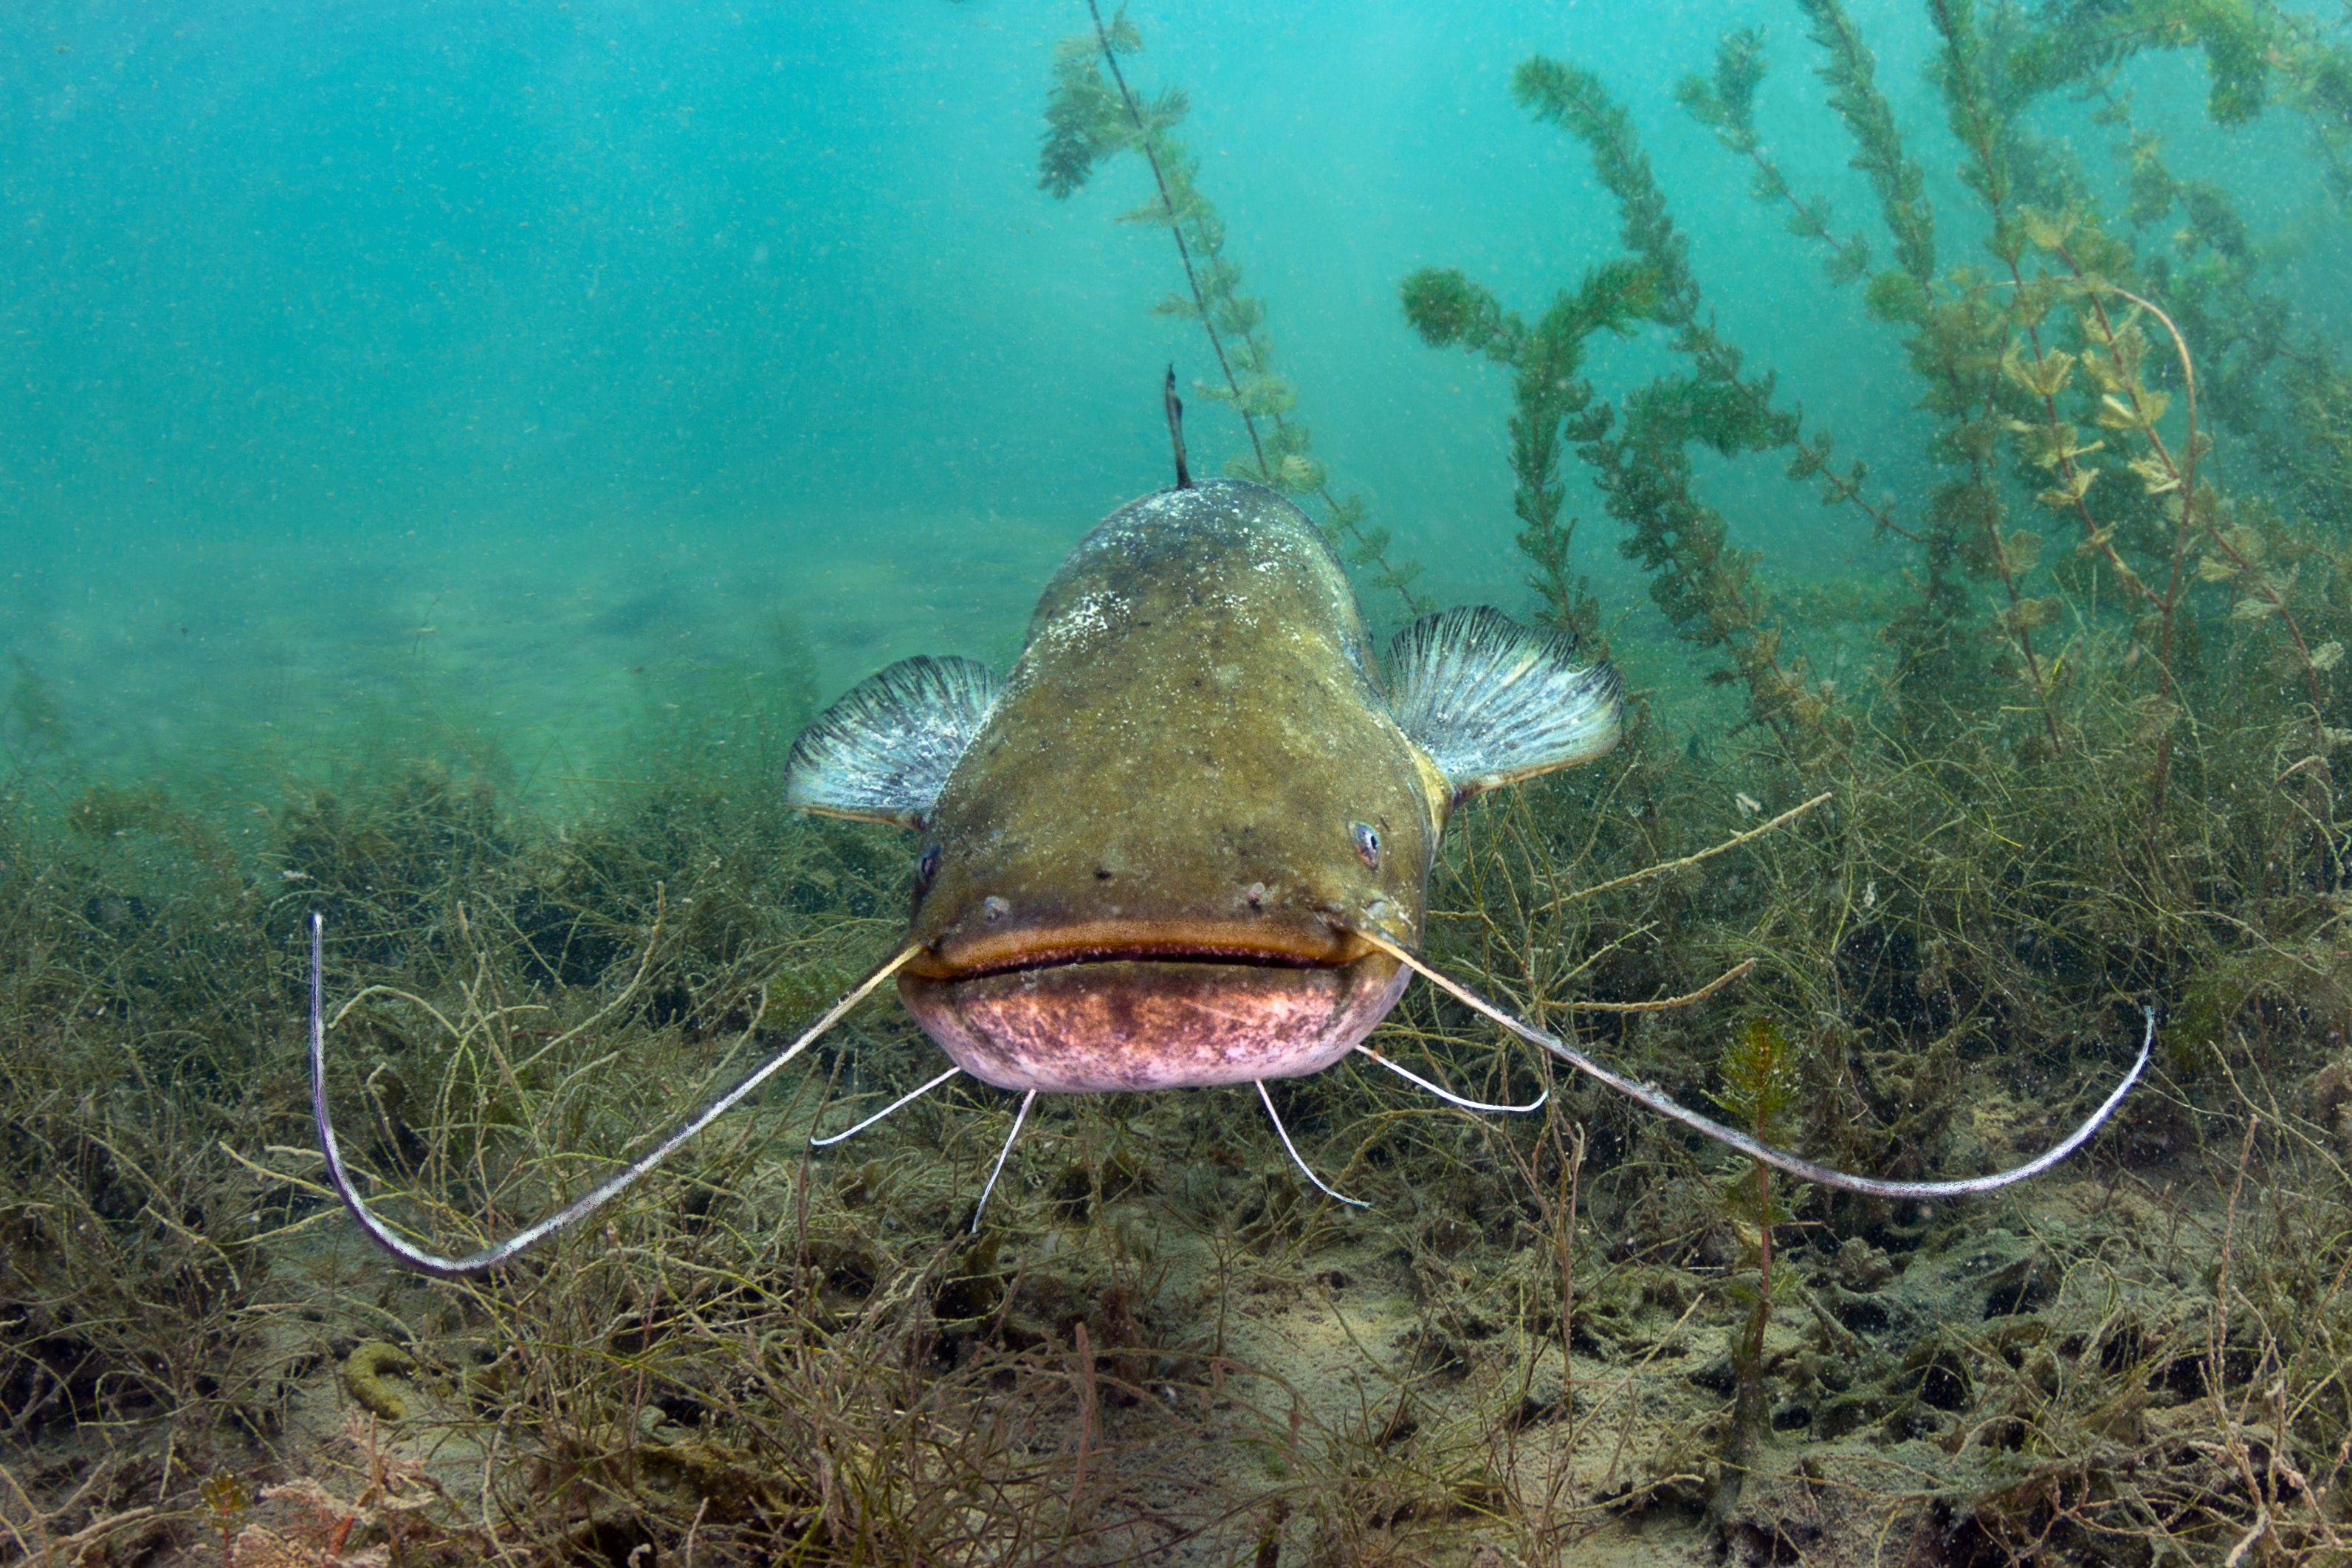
1447, 1095
1828, 1176
579, 1208
1304, 1168
898, 1104
1003, 1154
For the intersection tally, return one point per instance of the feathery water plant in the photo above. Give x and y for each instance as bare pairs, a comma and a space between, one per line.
1725, 103
2277, 386
1641, 462
1850, 70
2041, 364
1547, 394
2256, 53
1092, 115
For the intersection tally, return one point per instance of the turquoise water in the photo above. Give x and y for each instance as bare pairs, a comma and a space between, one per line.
517, 371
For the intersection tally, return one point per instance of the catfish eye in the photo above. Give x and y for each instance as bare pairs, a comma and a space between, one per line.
1367, 842
928, 867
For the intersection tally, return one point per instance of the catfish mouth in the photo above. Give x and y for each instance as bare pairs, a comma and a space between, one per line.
1275, 944
1085, 1016
1072, 957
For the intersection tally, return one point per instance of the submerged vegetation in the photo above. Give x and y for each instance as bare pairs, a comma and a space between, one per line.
2083, 754
1093, 115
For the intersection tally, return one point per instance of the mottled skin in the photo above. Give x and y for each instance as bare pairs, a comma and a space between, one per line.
1150, 869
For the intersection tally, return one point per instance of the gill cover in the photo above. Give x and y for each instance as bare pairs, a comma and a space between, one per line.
1492, 702
883, 752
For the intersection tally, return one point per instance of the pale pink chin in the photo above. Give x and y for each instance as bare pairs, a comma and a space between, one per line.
1095, 1027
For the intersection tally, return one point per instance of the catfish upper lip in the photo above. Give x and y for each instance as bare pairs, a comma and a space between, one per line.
1072, 957
1275, 945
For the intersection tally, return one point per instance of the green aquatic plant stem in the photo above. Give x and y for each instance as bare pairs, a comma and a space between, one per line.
1851, 72
1641, 464
2256, 52
1975, 123
1705, 587
1176, 230
1233, 322
1947, 336
1945, 342
1725, 104
1944, 337
1449, 311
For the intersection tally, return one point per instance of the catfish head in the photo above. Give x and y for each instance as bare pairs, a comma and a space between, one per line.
1159, 855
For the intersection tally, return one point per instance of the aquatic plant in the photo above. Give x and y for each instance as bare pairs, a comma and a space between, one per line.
1641, 460
1759, 1083
2168, 600
1091, 116
1979, 345
1448, 310
1725, 103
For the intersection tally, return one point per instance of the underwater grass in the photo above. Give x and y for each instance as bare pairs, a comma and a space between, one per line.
780, 1357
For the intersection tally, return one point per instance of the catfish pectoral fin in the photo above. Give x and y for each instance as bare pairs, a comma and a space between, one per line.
1493, 701
1826, 1175
883, 752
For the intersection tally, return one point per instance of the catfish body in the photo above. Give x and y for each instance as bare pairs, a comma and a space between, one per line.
1152, 858
1154, 855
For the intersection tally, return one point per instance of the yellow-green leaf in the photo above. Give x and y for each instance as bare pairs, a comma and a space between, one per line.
2115, 414
2021, 552
2071, 490
2154, 476
1299, 473
2045, 232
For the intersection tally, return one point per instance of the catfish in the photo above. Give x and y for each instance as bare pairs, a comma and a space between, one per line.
1187, 841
